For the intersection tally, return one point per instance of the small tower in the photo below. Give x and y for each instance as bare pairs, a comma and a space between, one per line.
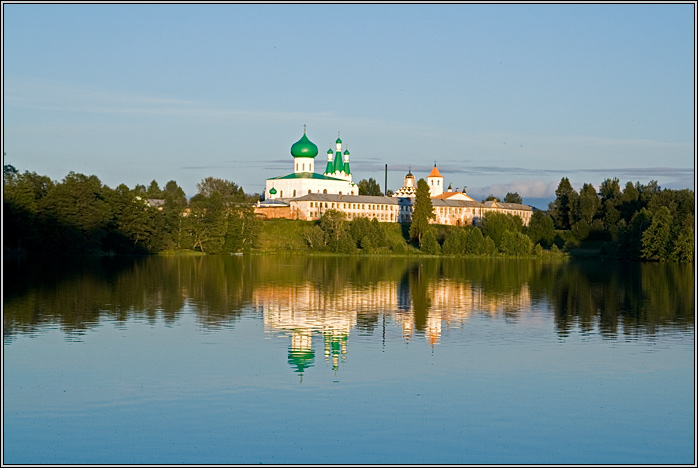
338, 162
303, 152
436, 182
347, 171
330, 164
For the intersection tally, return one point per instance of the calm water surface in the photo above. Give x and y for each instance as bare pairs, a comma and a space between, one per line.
347, 360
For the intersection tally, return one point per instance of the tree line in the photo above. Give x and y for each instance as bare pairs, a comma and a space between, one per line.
637, 222
80, 215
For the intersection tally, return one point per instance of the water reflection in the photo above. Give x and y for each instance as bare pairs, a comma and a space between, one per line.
331, 297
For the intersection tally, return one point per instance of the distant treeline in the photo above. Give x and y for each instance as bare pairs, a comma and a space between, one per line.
80, 215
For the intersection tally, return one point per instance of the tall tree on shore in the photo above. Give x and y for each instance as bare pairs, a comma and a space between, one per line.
423, 212
562, 208
656, 240
589, 203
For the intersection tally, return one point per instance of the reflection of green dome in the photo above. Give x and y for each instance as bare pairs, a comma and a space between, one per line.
301, 360
272, 191
304, 148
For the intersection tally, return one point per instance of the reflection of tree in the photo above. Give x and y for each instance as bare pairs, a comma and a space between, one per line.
421, 293
419, 289
639, 296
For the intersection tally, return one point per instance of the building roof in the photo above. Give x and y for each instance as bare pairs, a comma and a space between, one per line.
273, 203
435, 172
330, 197
304, 148
455, 195
305, 175
456, 203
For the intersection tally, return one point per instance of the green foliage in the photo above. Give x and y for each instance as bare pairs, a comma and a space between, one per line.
541, 229
588, 204
563, 207
369, 187
494, 225
423, 212
656, 240
476, 243
429, 244
683, 247
516, 244
455, 242
513, 198
336, 229
580, 230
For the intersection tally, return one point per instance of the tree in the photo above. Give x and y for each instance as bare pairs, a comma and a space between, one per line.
334, 225
541, 229
588, 204
455, 242
496, 224
429, 243
369, 187
516, 243
207, 222
656, 239
629, 201
562, 208
513, 198
490, 197
423, 212
77, 213
154, 190
230, 191
683, 245
476, 243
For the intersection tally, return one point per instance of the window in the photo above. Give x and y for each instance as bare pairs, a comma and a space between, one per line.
324, 191
294, 193
303, 167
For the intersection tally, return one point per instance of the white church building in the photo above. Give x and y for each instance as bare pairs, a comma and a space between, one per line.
336, 179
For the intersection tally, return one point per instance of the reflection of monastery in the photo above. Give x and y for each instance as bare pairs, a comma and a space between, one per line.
305, 194
304, 311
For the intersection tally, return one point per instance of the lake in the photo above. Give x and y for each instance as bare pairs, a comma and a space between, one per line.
347, 360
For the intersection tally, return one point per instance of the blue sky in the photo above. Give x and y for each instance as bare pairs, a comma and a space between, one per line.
504, 97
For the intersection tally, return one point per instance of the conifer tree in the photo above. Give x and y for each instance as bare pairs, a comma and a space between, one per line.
656, 239
423, 212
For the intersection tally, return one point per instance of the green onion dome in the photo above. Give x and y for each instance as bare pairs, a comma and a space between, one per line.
304, 148
272, 191
338, 140
329, 151
346, 152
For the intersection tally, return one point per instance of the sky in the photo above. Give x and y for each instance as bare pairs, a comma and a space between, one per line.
502, 97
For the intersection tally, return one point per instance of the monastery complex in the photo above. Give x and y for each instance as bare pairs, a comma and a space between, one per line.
305, 194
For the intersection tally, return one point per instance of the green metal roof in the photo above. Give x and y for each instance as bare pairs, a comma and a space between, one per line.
305, 175
304, 148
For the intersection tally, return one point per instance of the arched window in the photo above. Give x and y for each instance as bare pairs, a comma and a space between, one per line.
309, 191
281, 194
296, 167
303, 166
324, 191
294, 193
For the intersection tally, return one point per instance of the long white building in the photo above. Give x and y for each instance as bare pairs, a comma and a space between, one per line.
305, 194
